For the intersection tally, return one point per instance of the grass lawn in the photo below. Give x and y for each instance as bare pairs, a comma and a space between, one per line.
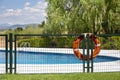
73, 76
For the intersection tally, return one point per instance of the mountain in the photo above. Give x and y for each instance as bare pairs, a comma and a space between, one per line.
17, 25
4, 26
9, 26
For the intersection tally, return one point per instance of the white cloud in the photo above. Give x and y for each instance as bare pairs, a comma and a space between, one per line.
12, 12
18, 10
9, 10
28, 14
26, 8
31, 9
27, 4
41, 5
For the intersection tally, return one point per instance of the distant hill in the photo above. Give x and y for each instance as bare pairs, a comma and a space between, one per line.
9, 26
4, 26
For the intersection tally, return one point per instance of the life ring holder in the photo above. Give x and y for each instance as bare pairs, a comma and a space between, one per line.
77, 41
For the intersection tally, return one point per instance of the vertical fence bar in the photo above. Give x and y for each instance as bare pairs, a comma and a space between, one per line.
88, 61
15, 53
83, 53
10, 46
6, 47
92, 44
85, 66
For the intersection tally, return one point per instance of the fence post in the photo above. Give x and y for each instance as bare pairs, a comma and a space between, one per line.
88, 54
15, 54
10, 47
6, 45
83, 46
92, 44
87, 64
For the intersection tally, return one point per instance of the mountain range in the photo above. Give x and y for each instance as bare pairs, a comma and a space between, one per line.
9, 26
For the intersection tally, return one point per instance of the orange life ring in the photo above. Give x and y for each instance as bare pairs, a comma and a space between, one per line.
79, 54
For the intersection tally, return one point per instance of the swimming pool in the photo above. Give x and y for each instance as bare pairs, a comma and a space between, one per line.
28, 57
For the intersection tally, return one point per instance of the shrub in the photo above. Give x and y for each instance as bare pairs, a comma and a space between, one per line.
67, 42
110, 43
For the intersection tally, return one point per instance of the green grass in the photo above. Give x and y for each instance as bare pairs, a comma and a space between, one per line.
73, 76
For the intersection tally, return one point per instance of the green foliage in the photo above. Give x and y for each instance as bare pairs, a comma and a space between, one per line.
110, 43
30, 29
78, 16
18, 29
61, 42
33, 42
41, 25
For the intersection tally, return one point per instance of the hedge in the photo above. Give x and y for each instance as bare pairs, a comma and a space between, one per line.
67, 42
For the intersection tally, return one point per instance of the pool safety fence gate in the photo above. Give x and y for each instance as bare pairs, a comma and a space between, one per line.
47, 53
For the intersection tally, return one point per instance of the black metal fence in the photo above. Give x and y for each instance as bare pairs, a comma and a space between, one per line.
3, 53
36, 53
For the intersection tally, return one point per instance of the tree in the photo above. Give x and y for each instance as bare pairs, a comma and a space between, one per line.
19, 29
41, 25
111, 16
78, 16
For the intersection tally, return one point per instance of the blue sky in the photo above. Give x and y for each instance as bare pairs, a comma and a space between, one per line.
22, 11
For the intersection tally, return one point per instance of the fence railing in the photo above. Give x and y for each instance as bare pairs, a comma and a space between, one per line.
38, 53
4, 53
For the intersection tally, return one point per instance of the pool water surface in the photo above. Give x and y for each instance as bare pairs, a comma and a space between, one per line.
26, 57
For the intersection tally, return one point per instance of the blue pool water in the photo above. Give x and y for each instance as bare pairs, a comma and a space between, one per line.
51, 58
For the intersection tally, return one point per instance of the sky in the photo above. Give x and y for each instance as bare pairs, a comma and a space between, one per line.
22, 11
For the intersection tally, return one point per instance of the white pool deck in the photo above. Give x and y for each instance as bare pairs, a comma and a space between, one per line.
113, 66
